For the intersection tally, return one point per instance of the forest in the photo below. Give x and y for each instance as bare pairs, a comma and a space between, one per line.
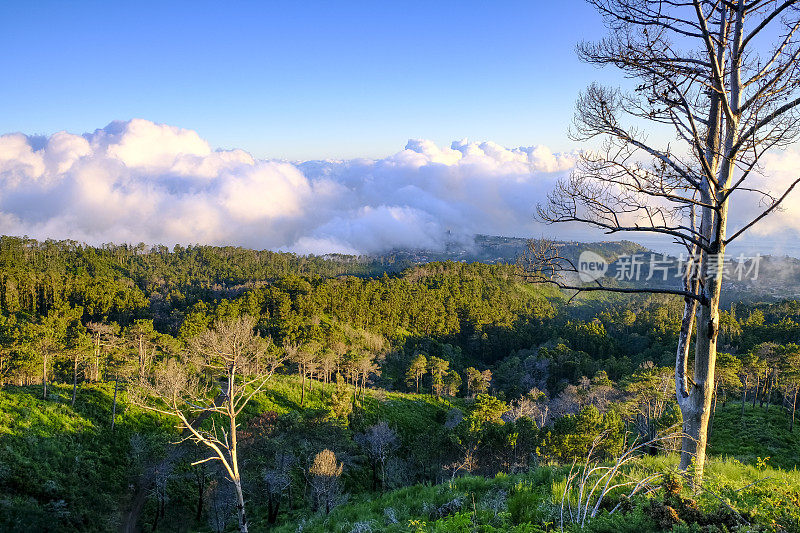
219, 389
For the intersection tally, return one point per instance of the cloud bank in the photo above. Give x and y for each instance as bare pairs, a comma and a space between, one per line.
138, 181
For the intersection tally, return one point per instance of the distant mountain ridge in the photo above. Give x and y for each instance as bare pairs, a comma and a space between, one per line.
499, 249
773, 278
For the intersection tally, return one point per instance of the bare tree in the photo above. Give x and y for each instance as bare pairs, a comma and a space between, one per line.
229, 353
325, 473
721, 76
328, 361
533, 406
522, 407
220, 505
467, 460
276, 481
379, 441
589, 483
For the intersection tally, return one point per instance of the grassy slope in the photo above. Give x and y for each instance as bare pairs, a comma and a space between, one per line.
757, 434
60, 465
766, 498
63, 467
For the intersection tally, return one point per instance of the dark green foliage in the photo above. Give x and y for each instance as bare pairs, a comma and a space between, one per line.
572, 436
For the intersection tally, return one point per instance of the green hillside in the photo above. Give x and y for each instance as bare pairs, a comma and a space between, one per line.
64, 467
426, 388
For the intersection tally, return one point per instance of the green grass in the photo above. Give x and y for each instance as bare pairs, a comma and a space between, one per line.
757, 434
762, 499
403, 411
471, 499
62, 467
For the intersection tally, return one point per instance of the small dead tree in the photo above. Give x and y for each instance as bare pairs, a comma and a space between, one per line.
325, 473
721, 78
466, 462
378, 441
277, 481
220, 505
229, 353
590, 482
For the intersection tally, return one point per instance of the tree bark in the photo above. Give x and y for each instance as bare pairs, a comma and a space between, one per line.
114, 407
772, 382
44, 375
755, 393
240, 505
303, 388
744, 394
74, 380
234, 452
696, 407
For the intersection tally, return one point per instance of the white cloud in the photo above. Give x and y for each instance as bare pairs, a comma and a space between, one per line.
140, 181
782, 167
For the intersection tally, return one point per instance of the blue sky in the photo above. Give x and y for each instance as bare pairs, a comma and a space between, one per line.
300, 80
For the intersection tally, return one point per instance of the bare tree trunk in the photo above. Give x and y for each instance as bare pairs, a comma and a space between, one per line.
681, 364
696, 408
772, 381
794, 408
44, 375
713, 409
696, 405
716, 390
74, 379
240, 505
744, 393
234, 450
114, 406
755, 393
303, 388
